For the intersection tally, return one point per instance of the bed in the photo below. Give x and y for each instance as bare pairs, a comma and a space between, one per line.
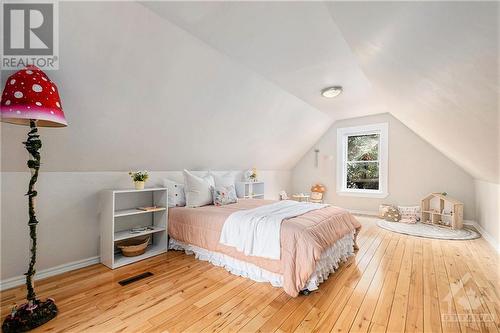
312, 244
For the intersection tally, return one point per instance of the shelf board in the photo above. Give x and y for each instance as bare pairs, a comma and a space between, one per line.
438, 224
131, 190
253, 196
126, 234
151, 251
135, 211
435, 213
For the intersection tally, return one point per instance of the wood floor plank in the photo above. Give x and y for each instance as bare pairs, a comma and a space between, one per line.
366, 293
477, 304
397, 318
235, 309
308, 313
273, 323
335, 283
380, 318
432, 314
333, 313
458, 292
415, 317
179, 321
250, 311
489, 294
447, 307
363, 320
256, 322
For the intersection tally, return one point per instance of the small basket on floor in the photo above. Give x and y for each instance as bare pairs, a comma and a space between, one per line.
134, 246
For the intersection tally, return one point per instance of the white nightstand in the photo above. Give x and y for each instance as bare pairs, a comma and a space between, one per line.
119, 214
250, 190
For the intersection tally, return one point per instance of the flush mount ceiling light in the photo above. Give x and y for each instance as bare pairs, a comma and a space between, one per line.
331, 92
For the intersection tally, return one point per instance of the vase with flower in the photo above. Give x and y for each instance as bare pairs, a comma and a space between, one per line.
251, 175
139, 178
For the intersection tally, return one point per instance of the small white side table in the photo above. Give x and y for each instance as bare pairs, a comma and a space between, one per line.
250, 190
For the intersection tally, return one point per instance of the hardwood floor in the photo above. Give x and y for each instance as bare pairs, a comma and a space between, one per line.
395, 283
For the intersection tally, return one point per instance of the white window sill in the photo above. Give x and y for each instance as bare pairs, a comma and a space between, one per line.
363, 194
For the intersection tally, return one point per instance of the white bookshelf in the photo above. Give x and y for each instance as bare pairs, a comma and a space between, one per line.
119, 214
250, 190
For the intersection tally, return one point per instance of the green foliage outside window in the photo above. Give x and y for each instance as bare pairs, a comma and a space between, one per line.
362, 162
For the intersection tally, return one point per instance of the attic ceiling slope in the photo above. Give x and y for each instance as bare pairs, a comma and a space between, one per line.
141, 93
293, 44
435, 64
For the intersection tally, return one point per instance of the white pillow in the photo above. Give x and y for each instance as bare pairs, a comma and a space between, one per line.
176, 196
198, 189
224, 180
209, 178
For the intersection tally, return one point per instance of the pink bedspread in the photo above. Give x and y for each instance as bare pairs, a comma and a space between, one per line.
303, 238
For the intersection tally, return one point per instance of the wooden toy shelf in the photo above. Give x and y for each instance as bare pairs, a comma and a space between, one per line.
441, 210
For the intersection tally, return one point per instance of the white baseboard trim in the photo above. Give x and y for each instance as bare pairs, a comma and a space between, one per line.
45, 273
484, 233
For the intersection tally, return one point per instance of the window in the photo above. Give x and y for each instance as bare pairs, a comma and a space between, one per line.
362, 161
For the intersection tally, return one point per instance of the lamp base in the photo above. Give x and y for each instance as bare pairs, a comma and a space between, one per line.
26, 317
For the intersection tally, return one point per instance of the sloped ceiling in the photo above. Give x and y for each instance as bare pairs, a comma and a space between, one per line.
293, 44
432, 65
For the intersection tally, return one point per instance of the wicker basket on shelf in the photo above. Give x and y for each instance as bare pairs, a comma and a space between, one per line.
134, 246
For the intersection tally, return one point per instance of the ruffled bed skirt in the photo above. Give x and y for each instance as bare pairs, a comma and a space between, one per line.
328, 262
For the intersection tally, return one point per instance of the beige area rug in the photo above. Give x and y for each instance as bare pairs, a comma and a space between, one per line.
429, 231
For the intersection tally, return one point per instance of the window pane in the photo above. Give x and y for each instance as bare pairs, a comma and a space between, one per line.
363, 175
363, 147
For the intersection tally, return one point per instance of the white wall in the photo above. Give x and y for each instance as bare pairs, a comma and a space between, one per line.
488, 210
415, 169
67, 208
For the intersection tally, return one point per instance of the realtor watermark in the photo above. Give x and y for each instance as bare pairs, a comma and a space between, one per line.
30, 34
467, 298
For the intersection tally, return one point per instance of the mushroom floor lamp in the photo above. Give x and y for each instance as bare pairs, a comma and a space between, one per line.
31, 99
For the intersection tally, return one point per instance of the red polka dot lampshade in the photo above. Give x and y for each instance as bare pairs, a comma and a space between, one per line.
29, 94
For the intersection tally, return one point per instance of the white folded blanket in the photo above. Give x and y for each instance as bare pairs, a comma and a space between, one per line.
257, 232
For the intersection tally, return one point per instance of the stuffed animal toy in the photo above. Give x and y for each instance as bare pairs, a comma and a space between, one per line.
317, 191
283, 195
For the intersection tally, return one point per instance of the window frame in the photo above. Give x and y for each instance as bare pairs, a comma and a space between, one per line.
382, 130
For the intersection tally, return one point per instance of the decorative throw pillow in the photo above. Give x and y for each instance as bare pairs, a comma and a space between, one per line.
409, 214
198, 189
392, 214
224, 195
226, 179
176, 195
